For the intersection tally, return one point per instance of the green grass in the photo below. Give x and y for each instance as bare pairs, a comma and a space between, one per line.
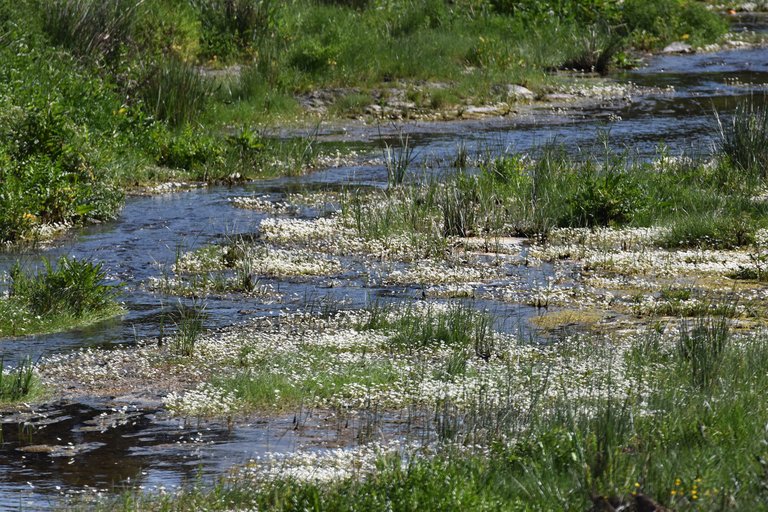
19, 383
702, 204
682, 423
69, 294
112, 92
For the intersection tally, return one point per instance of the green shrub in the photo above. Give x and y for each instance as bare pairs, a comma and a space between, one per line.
653, 23
592, 49
602, 197
50, 172
74, 287
188, 149
313, 57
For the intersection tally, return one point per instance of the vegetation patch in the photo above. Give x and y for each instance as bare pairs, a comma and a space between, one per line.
57, 297
97, 95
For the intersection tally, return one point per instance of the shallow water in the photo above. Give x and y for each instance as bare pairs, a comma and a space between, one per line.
151, 450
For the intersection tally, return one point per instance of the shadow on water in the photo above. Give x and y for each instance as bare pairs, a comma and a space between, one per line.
115, 448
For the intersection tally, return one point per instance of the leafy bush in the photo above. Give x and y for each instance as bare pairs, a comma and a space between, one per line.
49, 172
188, 150
653, 23
313, 57
602, 197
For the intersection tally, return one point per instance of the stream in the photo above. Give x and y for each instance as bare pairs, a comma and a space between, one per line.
79, 448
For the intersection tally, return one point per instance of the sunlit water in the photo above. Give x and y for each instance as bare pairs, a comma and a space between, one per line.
147, 448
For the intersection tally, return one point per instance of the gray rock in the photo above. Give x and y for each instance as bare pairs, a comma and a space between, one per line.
678, 47
519, 92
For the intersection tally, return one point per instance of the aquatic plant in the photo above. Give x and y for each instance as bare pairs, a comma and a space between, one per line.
744, 138
18, 383
701, 345
189, 327
73, 286
397, 160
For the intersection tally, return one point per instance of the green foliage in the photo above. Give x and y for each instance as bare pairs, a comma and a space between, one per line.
744, 140
582, 11
397, 161
232, 28
188, 149
92, 28
73, 287
701, 346
653, 23
168, 27
189, 327
602, 197
19, 383
460, 327
458, 201
593, 49
175, 91
715, 230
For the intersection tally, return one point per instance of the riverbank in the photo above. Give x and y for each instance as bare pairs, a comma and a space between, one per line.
151, 116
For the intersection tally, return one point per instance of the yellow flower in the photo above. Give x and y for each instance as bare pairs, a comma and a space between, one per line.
677, 482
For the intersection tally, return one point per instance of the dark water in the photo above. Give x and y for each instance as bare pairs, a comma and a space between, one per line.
151, 450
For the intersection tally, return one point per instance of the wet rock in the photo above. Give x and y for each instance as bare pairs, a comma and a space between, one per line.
57, 450
518, 92
559, 96
472, 112
678, 47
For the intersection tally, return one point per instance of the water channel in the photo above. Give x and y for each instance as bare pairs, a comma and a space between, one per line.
671, 106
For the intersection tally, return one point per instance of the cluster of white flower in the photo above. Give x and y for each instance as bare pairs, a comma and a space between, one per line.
205, 400
263, 204
321, 466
